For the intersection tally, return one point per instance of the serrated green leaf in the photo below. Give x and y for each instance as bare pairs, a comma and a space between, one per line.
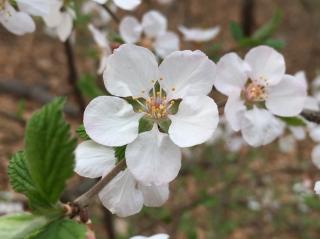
49, 150
89, 87
82, 133
293, 121
266, 30
22, 182
19, 226
119, 152
62, 229
236, 31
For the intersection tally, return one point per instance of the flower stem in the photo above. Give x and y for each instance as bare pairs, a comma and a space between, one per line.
84, 199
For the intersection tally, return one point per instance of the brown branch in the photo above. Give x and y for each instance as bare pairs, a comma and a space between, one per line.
247, 16
73, 75
84, 199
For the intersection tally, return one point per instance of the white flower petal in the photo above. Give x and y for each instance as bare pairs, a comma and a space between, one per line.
154, 196
157, 236
267, 65
55, 17
65, 28
231, 74
234, 144
121, 196
154, 24
315, 156
18, 23
287, 144
127, 4
199, 35
234, 110
99, 37
100, 1
111, 121
317, 187
195, 121
286, 98
153, 159
93, 160
311, 103
130, 29
315, 133
301, 79
166, 43
131, 71
298, 133
187, 73
260, 127
36, 7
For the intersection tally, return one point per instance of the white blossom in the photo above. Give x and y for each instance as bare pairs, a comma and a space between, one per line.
157, 236
198, 34
123, 4
317, 187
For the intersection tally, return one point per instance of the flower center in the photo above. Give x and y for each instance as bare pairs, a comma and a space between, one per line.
255, 92
157, 106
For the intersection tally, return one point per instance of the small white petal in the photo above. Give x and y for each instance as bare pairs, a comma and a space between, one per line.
154, 24
130, 29
36, 7
154, 196
315, 133
311, 103
99, 37
187, 73
153, 159
298, 133
64, 30
286, 98
199, 35
93, 160
267, 65
287, 144
231, 74
195, 122
100, 1
301, 79
18, 23
235, 143
315, 156
166, 43
127, 4
157, 236
121, 196
131, 71
317, 187
111, 121
234, 110
260, 127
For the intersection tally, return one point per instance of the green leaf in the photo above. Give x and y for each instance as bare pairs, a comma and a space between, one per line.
145, 124
236, 31
19, 226
293, 121
22, 182
82, 133
89, 87
119, 152
266, 30
62, 229
275, 43
49, 150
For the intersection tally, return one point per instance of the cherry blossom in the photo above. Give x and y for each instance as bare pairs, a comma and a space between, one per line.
103, 44
123, 4
198, 34
157, 236
151, 33
175, 92
98, 15
258, 90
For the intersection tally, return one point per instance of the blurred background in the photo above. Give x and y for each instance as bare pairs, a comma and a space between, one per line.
225, 189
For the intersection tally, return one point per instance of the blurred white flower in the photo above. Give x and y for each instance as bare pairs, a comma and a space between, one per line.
99, 15
123, 4
317, 187
287, 144
257, 81
105, 50
198, 34
157, 236
165, 2
151, 33
154, 157
123, 196
60, 20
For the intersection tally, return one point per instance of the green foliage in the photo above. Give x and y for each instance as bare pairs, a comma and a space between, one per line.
62, 229
82, 133
119, 152
293, 121
89, 87
17, 226
22, 182
236, 31
49, 150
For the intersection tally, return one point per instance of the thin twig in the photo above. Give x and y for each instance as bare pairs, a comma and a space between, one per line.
111, 13
73, 74
84, 199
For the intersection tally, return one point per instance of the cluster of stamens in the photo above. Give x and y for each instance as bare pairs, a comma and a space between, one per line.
156, 106
255, 92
